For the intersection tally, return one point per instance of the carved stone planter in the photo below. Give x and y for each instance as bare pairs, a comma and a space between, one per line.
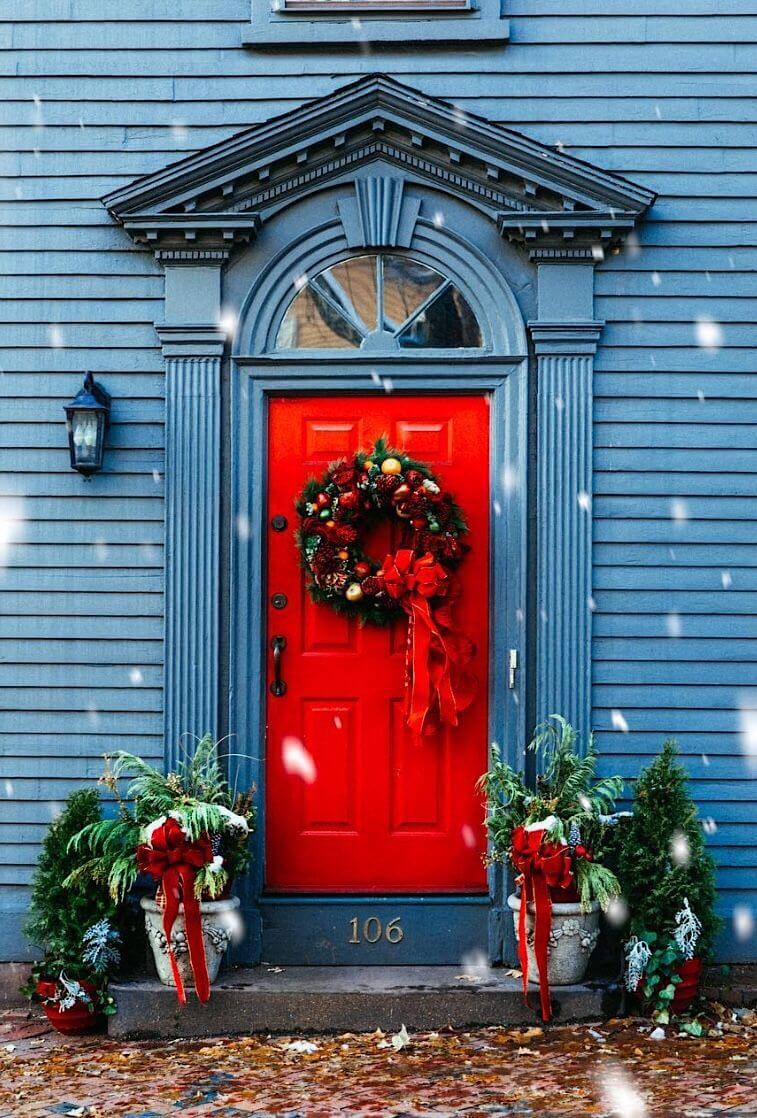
219, 923
572, 939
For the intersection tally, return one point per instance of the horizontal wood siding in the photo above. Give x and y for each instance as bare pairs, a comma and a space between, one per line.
661, 91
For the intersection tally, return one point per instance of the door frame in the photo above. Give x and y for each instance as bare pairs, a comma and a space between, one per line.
253, 380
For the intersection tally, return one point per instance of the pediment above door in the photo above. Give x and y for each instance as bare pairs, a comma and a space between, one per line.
218, 198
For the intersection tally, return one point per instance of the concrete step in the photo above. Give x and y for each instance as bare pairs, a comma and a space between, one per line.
343, 999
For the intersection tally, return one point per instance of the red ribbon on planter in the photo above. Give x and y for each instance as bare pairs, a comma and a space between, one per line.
439, 684
542, 866
174, 861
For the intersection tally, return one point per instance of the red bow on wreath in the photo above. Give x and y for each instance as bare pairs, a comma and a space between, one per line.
174, 861
542, 866
438, 682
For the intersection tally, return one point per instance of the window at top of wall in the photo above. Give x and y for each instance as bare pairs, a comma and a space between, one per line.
366, 23
382, 304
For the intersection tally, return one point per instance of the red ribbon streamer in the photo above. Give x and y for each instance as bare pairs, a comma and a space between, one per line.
542, 866
439, 685
174, 862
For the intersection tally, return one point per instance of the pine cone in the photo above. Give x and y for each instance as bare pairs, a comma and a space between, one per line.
371, 586
414, 505
414, 478
343, 534
429, 541
385, 485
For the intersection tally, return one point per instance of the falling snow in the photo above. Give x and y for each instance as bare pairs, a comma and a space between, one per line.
748, 727
296, 759
709, 334
228, 322
621, 1097
618, 721
743, 922
680, 851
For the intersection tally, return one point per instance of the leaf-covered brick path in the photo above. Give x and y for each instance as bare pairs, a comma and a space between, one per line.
610, 1069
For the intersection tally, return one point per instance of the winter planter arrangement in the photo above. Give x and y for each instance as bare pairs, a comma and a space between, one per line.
189, 833
73, 928
553, 836
668, 880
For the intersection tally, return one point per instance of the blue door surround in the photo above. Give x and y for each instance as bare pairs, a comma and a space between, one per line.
436, 929
499, 214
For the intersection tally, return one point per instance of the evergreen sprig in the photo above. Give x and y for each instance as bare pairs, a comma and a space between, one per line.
568, 792
197, 792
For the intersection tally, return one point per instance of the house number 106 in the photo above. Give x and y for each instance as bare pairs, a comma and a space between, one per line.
373, 930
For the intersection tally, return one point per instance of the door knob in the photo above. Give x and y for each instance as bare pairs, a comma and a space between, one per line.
278, 687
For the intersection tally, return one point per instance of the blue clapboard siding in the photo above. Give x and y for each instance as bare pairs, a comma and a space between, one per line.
659, 90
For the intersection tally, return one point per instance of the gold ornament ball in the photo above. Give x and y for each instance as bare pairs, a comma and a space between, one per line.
391, 466
353, 593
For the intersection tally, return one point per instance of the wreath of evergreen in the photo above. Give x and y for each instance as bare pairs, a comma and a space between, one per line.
337, 510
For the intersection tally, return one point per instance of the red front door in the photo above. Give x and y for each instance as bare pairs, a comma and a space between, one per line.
353, 802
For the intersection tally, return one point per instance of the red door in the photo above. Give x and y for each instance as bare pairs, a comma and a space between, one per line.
353, 802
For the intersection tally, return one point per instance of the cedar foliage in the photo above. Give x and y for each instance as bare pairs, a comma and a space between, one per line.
653, 883
59, 915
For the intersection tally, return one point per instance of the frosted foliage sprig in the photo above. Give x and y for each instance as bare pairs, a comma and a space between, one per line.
638, 954
688, 930
101, 945
70, 992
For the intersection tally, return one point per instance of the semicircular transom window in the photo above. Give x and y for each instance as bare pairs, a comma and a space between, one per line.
379, 303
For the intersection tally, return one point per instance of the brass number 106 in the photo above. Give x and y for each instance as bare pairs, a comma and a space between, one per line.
373, 930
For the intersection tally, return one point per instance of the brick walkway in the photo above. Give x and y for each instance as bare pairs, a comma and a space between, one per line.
614, 1069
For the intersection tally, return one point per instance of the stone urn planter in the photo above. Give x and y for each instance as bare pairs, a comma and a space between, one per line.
572, 939
219, 922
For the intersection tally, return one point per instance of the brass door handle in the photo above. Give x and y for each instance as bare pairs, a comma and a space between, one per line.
278, 687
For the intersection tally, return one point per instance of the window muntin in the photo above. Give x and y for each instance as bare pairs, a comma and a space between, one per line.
379, 302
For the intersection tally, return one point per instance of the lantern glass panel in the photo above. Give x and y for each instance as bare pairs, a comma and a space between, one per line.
87, 436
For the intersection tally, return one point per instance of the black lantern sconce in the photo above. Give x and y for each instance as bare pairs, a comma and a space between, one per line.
87, 418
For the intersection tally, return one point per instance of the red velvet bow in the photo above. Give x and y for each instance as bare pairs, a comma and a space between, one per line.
438, 682
174, 861
542, 866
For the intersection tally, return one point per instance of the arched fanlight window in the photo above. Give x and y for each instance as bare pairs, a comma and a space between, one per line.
379, 303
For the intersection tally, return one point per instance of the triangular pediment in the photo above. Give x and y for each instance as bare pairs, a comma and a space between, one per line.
219, 196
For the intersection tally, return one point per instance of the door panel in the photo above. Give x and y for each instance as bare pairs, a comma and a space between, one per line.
354, 802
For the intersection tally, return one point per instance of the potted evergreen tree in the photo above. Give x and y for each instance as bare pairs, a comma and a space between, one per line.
73, 927
668, 879
553, 835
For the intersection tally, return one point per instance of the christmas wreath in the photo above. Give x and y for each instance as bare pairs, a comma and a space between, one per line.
416, 580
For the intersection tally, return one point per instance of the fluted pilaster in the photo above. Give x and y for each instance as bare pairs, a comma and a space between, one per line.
192, 537
564, 520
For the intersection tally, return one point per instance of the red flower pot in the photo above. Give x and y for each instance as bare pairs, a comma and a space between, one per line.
686, 990
75, 1021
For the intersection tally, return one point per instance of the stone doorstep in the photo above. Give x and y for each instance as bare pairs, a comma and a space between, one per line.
342, 999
